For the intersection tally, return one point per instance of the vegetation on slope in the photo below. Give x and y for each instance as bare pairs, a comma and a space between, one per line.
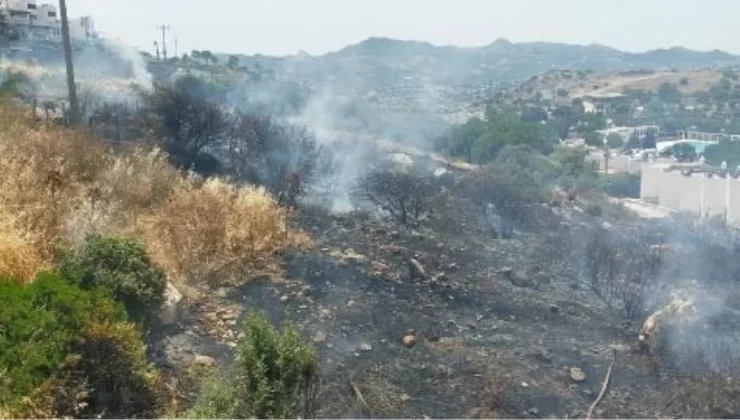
61, 185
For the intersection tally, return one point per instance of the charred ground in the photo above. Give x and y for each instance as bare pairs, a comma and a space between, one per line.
502, 327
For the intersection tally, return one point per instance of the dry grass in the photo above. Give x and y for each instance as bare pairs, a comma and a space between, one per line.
59, 185
709, 396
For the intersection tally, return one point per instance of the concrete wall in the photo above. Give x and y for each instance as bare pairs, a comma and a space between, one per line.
697, 193
618, 163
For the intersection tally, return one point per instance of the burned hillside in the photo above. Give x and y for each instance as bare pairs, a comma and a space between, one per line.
427, 287
456, 320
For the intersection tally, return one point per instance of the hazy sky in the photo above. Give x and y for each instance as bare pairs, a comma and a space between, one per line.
281, 27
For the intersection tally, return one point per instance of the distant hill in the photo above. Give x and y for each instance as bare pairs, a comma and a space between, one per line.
412, 74
382, 62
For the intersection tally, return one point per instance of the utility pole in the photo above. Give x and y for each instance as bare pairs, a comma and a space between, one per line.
164, 29
156, 49
74, 105
175, 39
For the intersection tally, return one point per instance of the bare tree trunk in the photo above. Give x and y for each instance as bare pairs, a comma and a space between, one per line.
74, 105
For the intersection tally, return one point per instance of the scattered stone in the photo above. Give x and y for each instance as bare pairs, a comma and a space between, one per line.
525, 385
409, 341
365, 346
203, 360
405, 397
284, 298
577, 374
228, 316
588, 392
533, 411
554, 308
320, 337
416, 270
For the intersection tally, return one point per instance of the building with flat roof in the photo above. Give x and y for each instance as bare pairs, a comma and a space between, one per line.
31, 20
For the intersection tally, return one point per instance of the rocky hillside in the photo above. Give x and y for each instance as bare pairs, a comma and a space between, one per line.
378, 63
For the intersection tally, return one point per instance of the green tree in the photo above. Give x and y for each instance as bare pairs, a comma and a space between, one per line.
621, 185
724, 151
614, 140
233, 62
668, 92
594, 139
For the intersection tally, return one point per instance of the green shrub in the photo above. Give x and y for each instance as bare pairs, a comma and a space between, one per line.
121, 267
38, 324
621, 185
275, 376
106, 375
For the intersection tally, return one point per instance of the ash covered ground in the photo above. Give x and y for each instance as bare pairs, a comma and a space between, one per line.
500, 327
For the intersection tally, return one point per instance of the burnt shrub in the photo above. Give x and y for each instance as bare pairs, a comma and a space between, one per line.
188, 125
122, 268
282, 157
505, 192
406, 196
621, 267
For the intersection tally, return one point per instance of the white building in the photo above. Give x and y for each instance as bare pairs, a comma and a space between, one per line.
82, 29
30, 20
33, 20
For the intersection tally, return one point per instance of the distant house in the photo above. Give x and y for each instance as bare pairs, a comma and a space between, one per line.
592, 102
31, 20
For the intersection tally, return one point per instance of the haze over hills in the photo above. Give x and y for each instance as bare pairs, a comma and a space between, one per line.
382, 61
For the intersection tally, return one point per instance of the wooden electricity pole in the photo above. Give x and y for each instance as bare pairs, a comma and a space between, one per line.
74, 105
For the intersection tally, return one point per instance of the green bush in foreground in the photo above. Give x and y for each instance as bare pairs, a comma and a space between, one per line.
106, 375
38, 324
121, 267
68, 352
275, 376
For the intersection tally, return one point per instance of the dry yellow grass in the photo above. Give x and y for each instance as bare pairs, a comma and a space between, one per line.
59, 185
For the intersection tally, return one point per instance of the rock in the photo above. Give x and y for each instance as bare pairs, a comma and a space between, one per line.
521, 278
283, 298
203, 360
365, 346
228, 316
170, 312
525, 385
533, 411
320, 337
577, 374
554, 308
416, 270
405, 397
409, 341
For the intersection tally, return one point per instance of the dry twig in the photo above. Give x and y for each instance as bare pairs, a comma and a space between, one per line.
359, 396
604, 387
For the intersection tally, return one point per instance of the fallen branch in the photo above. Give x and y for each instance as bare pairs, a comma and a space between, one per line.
359, 396
604, 387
